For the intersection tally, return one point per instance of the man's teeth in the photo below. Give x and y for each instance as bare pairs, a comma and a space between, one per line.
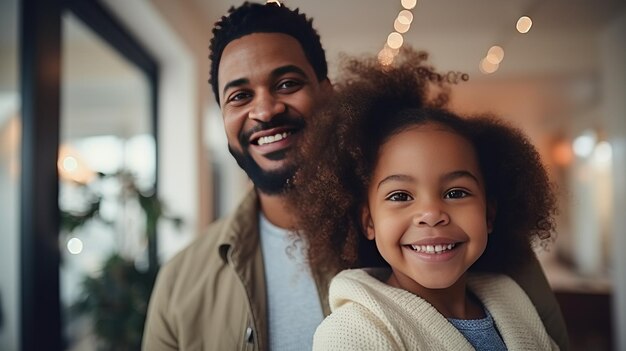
272, 138
436, 249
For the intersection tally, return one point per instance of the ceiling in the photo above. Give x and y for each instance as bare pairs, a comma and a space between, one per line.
458, 33
560, 54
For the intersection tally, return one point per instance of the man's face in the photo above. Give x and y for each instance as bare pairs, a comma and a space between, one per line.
267, 89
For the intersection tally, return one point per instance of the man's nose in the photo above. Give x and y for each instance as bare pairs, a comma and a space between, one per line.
265, 107
431, 214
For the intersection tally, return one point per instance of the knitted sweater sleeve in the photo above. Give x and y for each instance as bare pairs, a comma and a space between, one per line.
351, 328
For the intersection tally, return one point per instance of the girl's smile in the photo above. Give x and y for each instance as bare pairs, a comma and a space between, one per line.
427, 208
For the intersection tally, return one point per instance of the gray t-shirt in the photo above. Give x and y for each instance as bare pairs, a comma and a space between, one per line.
294, 309
481, 333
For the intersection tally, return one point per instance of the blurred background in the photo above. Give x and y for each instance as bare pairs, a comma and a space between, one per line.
113, 155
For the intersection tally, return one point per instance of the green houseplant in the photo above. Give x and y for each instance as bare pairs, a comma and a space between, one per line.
116, 299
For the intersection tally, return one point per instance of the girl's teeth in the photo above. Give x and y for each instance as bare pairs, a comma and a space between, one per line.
272, 138
436, 249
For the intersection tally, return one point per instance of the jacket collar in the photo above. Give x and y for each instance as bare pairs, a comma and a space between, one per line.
239, 237
239, 241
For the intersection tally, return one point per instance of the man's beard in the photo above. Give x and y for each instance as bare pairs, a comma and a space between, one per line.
268, 182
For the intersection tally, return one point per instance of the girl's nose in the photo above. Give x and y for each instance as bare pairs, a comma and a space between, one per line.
431, 216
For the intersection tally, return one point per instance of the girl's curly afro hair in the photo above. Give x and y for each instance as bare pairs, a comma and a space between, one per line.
340, 148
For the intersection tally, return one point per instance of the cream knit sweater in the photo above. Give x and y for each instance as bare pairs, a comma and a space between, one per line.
368, 314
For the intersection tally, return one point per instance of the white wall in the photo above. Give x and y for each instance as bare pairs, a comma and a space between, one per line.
174, 34
10, 138
9, 229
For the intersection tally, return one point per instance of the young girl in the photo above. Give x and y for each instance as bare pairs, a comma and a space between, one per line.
444, 206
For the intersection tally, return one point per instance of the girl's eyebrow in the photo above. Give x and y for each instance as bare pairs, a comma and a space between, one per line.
396, 177
459, 174
444, 178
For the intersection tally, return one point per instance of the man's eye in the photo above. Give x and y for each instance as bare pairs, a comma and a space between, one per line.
399, 197
238, 97
288, 85
456, 194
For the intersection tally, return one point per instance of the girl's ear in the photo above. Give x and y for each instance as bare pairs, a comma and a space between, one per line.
492, 208
366, 223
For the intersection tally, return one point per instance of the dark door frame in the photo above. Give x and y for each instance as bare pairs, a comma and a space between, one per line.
40, 66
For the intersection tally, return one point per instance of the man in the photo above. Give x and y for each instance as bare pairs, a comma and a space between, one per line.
244, 285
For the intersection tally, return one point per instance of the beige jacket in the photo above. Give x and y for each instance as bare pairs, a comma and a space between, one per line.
211, 296
371, 315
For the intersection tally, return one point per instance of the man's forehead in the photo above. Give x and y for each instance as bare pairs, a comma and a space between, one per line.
260, 54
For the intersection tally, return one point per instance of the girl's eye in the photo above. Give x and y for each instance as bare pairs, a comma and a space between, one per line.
456, 194
399, 197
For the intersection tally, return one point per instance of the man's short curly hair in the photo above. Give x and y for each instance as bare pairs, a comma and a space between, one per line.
252, 18
372, 104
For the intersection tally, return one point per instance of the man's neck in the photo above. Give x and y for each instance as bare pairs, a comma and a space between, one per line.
274, 209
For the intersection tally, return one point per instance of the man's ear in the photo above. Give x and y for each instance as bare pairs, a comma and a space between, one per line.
366, 223
492, 208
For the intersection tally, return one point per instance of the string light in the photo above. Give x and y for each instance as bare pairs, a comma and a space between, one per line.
405, 17
401, 25
491, 62
487, 67
409, 4
385, 56
395, 40
523, 24
495, 54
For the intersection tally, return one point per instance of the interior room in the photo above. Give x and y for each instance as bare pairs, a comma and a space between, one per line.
130, 124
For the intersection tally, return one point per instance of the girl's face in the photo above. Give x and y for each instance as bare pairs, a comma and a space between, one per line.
427, 209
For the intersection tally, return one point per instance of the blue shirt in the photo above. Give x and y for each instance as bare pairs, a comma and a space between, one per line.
481, 333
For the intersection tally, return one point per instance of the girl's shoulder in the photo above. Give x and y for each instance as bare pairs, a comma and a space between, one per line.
513, 312
351, 327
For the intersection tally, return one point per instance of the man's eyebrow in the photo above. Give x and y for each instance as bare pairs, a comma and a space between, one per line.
396, 177
235, 83
459, 174
287, 69
277, 72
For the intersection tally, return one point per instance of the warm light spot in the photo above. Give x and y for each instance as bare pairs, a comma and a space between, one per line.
523, 24
405, 17
487, 67
394, 52
395, 40
409, 4
400, 27
273, 1
386, 56
562, 153
10, 138
584, 144
75, 246
70, 164
603, 153
495, 54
